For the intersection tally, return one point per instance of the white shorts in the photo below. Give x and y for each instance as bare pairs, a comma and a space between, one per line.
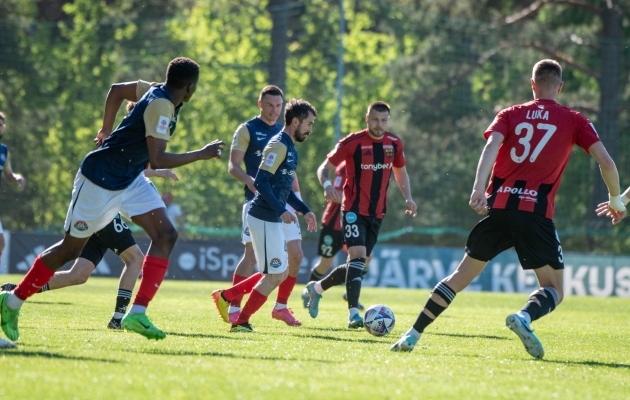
291, 231
93, 207
269, 245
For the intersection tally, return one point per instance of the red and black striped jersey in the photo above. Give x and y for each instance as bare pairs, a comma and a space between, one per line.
332, 213
369, 164
539, 136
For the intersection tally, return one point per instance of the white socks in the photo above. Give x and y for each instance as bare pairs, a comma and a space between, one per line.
136, 309
525, 315
13, 302
318, 287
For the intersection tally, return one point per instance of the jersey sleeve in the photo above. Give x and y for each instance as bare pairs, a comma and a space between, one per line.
157, 118
241, 139
500, 124
141, 88
274, 154
586, 135
339, 153
399, 158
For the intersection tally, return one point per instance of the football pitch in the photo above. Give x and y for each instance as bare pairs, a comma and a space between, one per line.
65, 351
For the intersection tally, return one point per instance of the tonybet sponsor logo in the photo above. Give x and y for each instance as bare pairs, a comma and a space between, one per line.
376, 167
525, 192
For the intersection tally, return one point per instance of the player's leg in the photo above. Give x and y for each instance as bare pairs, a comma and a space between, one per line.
143, 205
537, 244
293, 237
90, 210
133, 259
245, 267
487, 239
330, 242
2, 242
268, 242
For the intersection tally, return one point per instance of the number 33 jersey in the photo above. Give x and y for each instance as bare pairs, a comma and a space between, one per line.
538, 139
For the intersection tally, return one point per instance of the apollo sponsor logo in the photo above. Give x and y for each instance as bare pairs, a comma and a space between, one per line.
521, 191
376, 167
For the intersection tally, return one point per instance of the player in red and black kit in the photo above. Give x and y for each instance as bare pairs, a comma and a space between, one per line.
527, 150
370, 156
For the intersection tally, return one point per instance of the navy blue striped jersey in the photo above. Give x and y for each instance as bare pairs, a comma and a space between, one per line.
124, 154
251, 138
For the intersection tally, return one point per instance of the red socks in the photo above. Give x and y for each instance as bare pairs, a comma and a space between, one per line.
153, 273
242, 288
35, 279
285, 289
255, 301
236, 279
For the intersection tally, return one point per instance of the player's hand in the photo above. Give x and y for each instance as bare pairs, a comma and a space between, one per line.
250, 185
288, 218
413, 208
167, 173
478, 202
213, 149
311, 222
20, 181
101, 136
332, 195
603, 209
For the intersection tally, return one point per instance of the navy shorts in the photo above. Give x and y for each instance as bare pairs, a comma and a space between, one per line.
533, 236
359, 230
116, 236
330, 242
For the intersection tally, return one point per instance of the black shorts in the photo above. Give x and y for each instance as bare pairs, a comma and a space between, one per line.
533, 237
116, 236
330, 242
359, 230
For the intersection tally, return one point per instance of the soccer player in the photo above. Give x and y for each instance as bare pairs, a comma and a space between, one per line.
371, 156
268, 213
331, 237
116, 237
7, 171
109, 181
528, 146
248, 144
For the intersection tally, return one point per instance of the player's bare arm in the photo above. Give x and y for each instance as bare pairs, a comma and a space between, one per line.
615, 207
323, 174
161, 173
159, 158
235, 168
478, 201
11, 176
118, 93
402, 180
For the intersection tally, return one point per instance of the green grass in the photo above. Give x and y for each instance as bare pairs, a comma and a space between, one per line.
65, 351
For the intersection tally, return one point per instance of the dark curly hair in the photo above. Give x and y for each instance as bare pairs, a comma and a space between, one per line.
298, 109
182, 72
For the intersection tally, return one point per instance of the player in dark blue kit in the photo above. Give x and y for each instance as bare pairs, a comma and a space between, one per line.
109, 181
268, 212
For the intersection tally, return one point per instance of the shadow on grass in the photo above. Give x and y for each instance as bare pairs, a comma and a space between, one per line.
45, 354
337, 338
469, 336
60, 303
165, 352
205, 336
589, 363
314, 328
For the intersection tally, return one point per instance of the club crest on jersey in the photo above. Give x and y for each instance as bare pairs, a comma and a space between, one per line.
275, 263
389, 150
81, 226
351, 218
328, 240
163, 125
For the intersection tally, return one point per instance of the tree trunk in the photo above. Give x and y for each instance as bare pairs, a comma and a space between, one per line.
279, 10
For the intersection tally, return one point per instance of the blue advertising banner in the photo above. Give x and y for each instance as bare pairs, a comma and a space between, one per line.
405, 267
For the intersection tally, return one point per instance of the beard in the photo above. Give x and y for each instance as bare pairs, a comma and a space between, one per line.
377, 133
300, 137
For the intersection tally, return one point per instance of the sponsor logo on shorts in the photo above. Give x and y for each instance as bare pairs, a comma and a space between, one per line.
328, 240
275, 263
81, 226
351, 217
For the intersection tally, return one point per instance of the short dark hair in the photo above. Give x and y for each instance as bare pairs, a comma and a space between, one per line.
379, 106
298, 109
2, 116
182, 72
271, 90
547, 73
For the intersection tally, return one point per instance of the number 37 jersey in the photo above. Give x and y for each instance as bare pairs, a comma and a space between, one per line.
538, 139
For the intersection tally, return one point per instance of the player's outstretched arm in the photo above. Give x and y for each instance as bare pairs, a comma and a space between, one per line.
11, 176
402, 180
478, 201
615, 206
161, 173
159, 158
323, 174
118, 93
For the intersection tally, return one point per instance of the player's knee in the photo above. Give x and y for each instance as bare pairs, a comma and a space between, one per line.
80, 276
295, 255
165, 237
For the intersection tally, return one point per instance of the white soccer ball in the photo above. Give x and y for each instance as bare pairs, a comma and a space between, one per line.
379, 320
